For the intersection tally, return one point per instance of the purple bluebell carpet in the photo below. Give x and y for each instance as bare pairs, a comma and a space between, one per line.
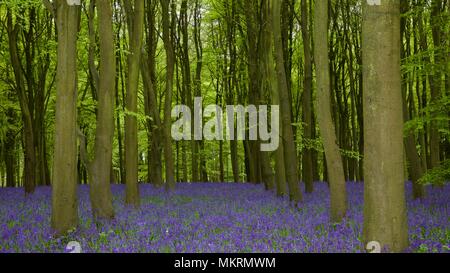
215, 217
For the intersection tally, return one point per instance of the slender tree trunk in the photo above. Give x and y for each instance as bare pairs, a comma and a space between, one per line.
187, 82
436, 80
335, 170
221, 164
27, 119
170, 61
196, 169
307, 167
423, 41
413, 159
234, 160
254, 84
119, 78
154, 124
266, 86
290, 154
154, 166
10, 159
203, 169
135, 13
384, 187
119, 132
280, 170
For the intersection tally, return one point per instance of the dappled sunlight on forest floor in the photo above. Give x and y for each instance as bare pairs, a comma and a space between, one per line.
211, 217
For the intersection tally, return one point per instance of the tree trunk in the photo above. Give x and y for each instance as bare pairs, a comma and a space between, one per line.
290, 151
413, 159
154, 125
64, 193
10, 159
435, 80
254, 83
154, 166
135, 13
28, 132
119, 77
170, 61
335, 170
280, 171
100, 169
307, 167
196, 169
384, 187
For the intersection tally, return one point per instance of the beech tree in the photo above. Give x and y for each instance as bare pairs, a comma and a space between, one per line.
135, 17
148, 67
384, 185
307, 168
370, 107
64, 192
170, 62
287, 137
100, 168
327, 130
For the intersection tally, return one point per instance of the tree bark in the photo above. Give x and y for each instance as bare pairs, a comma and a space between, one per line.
151, 103
10, 159
335, 170
436, 80
412, 157
64, 192
170, 61
254, 83
196, 169
290, 151
100, 168
27, 119
307, 167
135, 13
384, 187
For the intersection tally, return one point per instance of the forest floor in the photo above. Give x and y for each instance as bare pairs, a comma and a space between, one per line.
215, 217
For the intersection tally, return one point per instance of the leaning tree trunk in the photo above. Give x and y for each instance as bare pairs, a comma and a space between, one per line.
414, 164
28, 132
384, 186
335, 170
290, 151
64, 193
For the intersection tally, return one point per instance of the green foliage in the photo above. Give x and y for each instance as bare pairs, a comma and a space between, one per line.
314, 144
317, 145
437, 176
351, 154
16, 5
9, 113
140, 117
435, 112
